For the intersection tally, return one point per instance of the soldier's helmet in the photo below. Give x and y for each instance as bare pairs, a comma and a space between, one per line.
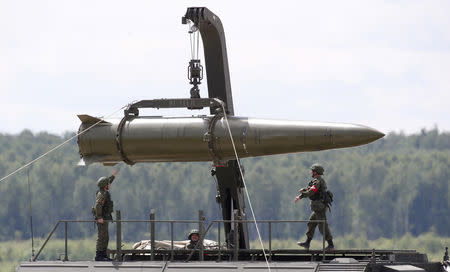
317, 168
102, 182
193, 231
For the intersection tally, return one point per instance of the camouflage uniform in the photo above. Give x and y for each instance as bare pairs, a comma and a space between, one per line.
315, 190
192, 245
103, 209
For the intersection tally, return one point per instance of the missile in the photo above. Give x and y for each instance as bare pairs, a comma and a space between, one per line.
205, 138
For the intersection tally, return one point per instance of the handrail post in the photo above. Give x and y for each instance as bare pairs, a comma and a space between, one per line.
66, 258
236, 235
171, 241
270, 241
201, 218
218, 239
118, 236
236, 242
152, 234
323, 239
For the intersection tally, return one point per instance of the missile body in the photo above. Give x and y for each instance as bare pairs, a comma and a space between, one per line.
206, 138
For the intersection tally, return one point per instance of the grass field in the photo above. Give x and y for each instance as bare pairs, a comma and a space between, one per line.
12, 252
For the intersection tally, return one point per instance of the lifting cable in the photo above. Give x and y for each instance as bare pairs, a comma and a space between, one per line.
60, 145
194, 38
245, 185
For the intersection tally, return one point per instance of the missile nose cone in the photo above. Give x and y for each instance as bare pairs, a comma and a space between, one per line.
368, 135
355, 135
377, 134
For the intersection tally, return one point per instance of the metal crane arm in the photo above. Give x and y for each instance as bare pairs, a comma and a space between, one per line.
229, 178
215, 50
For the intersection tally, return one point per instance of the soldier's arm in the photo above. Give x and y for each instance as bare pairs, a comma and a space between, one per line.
304, 189
297, 198
113, 176
313, 189
302, 194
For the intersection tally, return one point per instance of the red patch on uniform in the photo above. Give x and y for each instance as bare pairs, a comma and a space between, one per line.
314, 189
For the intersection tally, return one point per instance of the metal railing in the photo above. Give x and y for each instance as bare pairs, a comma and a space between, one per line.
269, 222
201, 222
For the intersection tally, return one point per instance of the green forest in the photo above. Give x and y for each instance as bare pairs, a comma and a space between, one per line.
396, 186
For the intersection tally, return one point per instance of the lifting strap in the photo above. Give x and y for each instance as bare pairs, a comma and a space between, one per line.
118, 139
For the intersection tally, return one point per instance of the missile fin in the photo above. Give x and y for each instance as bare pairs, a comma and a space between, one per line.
88, 119
88, 160
82, 162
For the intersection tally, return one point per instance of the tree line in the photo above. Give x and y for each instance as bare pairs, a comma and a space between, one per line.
394, 186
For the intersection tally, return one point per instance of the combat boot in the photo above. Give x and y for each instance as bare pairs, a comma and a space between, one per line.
98, 256
305, 244
106, 257
330, 246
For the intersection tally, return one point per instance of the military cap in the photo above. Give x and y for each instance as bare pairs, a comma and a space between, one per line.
102, 182
193, 231
317, 168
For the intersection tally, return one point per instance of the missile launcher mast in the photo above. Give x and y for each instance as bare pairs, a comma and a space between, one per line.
135, 138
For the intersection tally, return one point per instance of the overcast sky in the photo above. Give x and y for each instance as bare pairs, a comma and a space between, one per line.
384, 64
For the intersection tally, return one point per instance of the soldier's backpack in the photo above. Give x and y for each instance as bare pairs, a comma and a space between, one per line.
328, 199
94, 214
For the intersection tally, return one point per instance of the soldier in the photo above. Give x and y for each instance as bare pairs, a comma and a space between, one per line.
193, 237
317, 193
102, 211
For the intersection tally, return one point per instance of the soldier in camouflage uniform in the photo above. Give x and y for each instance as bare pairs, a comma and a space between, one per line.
316, 191
193, 237
102, 211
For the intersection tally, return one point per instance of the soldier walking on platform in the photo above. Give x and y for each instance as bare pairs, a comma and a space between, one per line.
102, 211
320, 201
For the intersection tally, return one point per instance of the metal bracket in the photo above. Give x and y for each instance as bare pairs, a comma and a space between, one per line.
119, 139
211, 139
189, 103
